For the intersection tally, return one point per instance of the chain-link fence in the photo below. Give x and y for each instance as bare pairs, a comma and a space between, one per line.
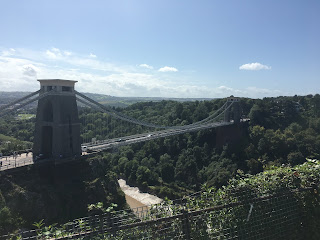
202, 216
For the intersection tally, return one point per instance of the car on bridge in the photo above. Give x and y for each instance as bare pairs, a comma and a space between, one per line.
40, 157
84, 148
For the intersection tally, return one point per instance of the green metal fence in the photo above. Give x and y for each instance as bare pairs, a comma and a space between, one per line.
243, 216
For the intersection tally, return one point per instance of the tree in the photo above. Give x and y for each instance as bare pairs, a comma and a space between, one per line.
122, 163
144, 174
295, 158
167, 172
256, 133
254, 166
316, 105
256, 115
186, 169
218, 173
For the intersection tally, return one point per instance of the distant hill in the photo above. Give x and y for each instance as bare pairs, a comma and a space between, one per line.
7, 97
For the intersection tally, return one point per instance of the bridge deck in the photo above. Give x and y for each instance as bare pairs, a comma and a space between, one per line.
116, 142
11, 162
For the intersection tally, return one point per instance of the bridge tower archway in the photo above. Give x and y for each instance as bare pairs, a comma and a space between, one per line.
47, 114
47, 140
57, 128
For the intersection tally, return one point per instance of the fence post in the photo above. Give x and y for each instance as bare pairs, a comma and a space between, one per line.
186, 224
111, 224
101, 222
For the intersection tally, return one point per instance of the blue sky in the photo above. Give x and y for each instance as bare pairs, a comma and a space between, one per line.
175, 48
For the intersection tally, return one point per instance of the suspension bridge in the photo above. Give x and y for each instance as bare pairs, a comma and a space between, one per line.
60, 133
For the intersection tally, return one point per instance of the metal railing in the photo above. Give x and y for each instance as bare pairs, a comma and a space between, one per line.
276, 216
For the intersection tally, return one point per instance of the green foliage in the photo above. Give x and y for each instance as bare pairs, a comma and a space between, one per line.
6, 219
278, 182
10, 144
20, 129
282, 202
218, 173
39, 224
295, 158
56, 194
283, 130
98, 208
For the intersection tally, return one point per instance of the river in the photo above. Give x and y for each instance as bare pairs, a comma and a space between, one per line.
135, 198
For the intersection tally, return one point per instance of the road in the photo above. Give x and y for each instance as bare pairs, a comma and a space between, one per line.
13, 162
24, 159
117, 142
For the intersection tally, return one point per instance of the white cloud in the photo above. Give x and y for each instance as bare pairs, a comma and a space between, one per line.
229, 91
168, 69
29, 70
265, 92
145, 66
84, 61
9, 52
67, 53
254, 66
51, 54
56, 53
19, 72
57, 50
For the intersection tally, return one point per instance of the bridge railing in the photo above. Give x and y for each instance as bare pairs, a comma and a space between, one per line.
10, 164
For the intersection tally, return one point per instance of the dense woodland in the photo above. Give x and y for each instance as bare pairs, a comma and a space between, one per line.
282, 130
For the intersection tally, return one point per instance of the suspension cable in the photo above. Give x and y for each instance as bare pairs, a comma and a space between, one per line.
19, 100
121, 116
25, 103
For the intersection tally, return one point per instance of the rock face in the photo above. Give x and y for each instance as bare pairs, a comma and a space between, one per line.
56, 194
145, 199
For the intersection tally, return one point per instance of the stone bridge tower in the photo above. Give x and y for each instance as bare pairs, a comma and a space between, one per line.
57, 129
233, 110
